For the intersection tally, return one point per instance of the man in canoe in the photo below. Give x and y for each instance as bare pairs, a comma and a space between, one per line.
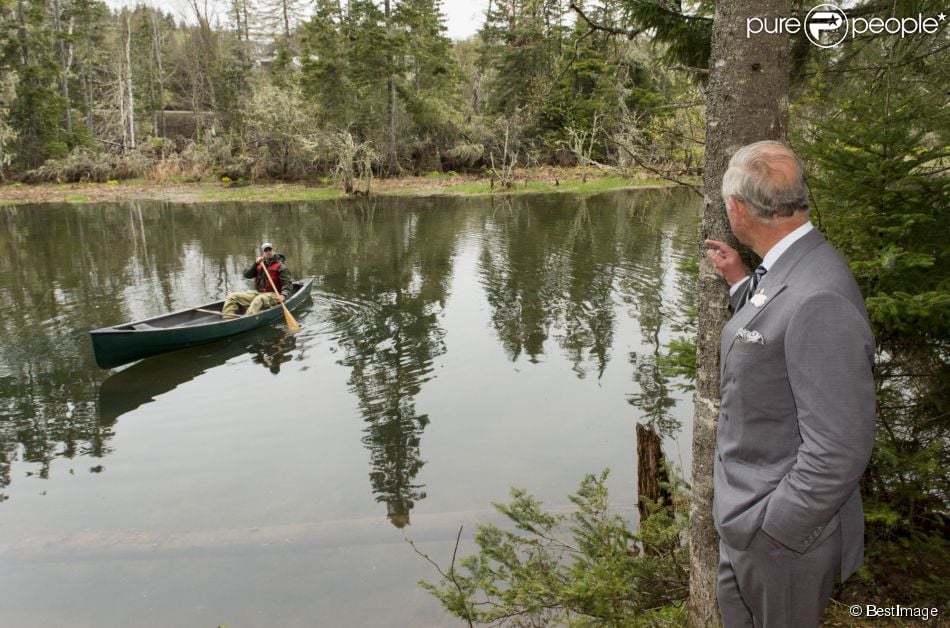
263, 295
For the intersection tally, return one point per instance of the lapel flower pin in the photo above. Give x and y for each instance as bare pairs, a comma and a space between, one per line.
758, 299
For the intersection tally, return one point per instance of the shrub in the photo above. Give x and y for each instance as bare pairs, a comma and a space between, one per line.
602, 574
465, 155
133, 165
81, 165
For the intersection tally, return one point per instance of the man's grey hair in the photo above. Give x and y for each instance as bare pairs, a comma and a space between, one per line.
769, 177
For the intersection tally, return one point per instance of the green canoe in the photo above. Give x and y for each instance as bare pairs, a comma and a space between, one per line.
115, 346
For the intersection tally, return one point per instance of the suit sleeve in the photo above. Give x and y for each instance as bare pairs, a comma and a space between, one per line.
829, 353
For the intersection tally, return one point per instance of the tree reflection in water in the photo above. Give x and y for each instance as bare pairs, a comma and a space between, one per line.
558, 268
391, 282
656, 242
552, 269
81, 268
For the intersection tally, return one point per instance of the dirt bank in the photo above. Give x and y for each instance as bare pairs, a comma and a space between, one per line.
528, 181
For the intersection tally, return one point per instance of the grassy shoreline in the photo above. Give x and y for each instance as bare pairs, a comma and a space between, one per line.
533, 181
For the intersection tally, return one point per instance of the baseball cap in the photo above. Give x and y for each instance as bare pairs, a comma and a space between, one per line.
266, 245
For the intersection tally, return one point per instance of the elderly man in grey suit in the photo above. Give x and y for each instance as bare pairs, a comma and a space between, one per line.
796, 422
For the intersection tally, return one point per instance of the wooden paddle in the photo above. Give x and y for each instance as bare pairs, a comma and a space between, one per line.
288, 317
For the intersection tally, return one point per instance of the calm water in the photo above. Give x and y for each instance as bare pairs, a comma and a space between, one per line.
453, 348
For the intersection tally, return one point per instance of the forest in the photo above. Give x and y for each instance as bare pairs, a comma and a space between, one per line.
284, 90
332, 91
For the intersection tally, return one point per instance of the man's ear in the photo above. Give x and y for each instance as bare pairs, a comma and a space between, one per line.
740, 209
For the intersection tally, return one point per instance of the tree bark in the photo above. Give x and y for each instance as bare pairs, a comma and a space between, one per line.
285, 15
238, 29
651, 474
158, 47
21, 33
87, 98
63, 65
746, 101
392, 151
130, 109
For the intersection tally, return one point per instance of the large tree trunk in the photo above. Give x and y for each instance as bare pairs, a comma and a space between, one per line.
746, 101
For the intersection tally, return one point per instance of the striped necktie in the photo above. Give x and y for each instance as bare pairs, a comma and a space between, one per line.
760, 271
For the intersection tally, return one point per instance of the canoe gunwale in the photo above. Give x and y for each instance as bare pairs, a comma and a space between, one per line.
125, 328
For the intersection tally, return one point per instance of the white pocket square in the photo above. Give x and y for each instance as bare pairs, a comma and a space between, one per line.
749, 335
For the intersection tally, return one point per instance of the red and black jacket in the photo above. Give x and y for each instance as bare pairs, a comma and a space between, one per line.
278, 272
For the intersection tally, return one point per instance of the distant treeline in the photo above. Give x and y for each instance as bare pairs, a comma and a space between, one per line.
267, 89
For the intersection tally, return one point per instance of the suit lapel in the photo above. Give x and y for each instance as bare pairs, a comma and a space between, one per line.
743, 318
771, 285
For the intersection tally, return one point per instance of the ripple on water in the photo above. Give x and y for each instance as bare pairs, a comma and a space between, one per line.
339, 316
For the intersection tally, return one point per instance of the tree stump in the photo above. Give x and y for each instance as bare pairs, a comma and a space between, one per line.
652, 475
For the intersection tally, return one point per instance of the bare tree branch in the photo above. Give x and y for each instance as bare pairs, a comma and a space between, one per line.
629, 34
663, 174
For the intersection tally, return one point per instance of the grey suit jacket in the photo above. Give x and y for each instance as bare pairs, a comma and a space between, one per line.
796, 422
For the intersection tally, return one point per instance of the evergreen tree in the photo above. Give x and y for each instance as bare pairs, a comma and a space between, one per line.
150, 42
522, 44
38, 110
429, 89
325, 76
878, 150
369, 70
91, 26
345, 67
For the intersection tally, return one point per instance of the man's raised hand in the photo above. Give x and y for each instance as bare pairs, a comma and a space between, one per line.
726, 261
